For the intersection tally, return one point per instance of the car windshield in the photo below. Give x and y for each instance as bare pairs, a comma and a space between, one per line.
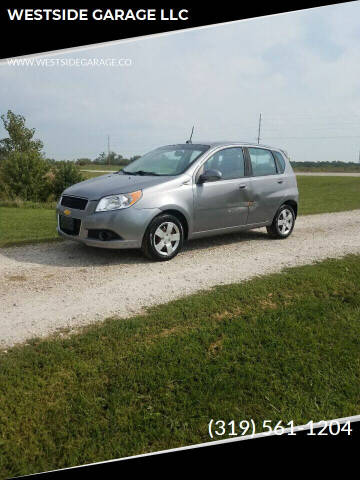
170, 160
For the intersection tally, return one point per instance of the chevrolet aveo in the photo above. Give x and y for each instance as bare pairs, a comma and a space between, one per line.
180, 192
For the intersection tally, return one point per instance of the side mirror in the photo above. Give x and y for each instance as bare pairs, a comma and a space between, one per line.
210, 176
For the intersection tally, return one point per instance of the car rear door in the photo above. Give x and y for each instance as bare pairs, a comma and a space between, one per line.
267, 185
222, 203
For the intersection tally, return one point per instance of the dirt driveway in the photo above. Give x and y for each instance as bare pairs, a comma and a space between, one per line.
46, 287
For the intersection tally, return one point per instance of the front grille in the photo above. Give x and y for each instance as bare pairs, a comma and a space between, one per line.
74, 202
69, 225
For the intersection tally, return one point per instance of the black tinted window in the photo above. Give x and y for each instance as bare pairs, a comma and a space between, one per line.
281, 161
230, 162
262, 162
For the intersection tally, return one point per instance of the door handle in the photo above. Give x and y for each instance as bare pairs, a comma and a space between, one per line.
242, 187
280, 181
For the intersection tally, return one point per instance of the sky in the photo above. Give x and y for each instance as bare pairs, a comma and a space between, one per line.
300, 70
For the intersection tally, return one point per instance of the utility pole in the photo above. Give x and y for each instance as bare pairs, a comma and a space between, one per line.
259, 131
108, 147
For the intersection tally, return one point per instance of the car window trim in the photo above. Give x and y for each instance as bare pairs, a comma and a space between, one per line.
275, 161
278, 166
220, 149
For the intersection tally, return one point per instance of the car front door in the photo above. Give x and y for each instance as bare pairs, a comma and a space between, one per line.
222, 203
267, 185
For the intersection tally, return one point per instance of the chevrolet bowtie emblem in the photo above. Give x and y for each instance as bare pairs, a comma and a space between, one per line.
67, 212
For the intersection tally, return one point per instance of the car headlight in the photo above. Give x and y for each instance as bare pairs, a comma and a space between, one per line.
116, 202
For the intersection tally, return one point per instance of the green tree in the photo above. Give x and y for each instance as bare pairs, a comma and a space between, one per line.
100, 159
65, 175
21, 138
112, 158
25, 175
83, 161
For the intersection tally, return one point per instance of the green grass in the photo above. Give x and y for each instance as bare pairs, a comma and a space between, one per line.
281, 347
87, 175
96, 173
20, 225
28, 223
100, 167
328, 194
25, 204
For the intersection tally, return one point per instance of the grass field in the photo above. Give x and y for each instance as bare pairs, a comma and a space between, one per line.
97, 170
26, 225
100, 167
87, 175
317, 195
328, 194
280, 347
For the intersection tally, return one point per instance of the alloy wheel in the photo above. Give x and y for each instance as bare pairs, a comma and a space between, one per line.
285, 221
166, 238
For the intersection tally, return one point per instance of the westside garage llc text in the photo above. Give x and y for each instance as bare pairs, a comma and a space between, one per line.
98, 14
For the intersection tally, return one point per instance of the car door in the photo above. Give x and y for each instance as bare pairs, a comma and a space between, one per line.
267, 185
222, 203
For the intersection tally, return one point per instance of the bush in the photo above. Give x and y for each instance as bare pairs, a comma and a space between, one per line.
83, 161
65, 175
25, 175
121, 162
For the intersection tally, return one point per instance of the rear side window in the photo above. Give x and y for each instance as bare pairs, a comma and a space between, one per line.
262, 162
281, 161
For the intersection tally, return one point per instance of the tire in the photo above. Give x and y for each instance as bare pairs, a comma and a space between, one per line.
283, 223
163, 238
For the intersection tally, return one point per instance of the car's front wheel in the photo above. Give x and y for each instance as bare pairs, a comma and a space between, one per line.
283, 223
164, 238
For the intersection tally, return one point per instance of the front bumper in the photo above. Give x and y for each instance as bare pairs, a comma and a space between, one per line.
129, 224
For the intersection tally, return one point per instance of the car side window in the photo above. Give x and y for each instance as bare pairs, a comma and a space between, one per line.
262, 162
229, 161
280, 160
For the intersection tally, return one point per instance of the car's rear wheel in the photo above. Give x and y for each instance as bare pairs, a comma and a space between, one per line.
164, 238
283, 223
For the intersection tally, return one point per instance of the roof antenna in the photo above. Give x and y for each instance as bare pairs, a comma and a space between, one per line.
192, 131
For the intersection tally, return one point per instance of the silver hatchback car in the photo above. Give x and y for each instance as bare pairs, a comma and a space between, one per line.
181, 192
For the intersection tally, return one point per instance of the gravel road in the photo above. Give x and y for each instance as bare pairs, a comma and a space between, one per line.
53, 286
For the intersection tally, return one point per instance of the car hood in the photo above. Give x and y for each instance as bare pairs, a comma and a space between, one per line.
112, 184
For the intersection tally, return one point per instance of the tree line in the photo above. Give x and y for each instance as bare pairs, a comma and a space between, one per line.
110, 158
27, 174
334, 166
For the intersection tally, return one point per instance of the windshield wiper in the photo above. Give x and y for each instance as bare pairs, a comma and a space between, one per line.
140, 172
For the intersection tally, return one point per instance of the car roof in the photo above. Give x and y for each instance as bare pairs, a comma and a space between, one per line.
225, 143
